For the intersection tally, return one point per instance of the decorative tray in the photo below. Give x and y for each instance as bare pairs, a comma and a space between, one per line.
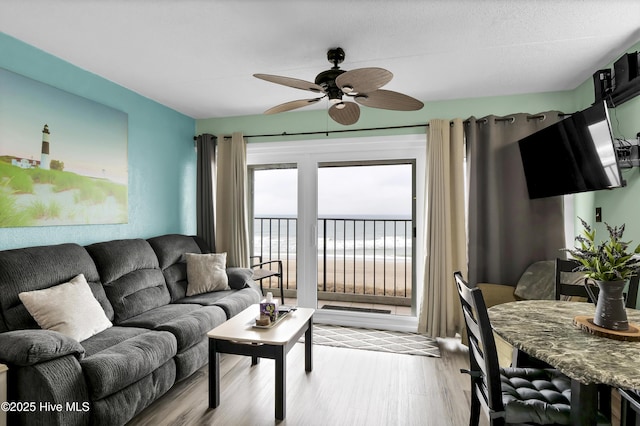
281, 316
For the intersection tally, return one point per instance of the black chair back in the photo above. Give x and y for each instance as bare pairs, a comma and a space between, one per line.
564, 288
483, 357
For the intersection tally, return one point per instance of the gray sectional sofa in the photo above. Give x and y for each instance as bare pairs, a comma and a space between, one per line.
157, 337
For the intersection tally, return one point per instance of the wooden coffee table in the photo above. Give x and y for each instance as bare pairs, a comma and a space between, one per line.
239, 336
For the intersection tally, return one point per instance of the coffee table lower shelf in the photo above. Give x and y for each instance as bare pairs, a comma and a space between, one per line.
238, 337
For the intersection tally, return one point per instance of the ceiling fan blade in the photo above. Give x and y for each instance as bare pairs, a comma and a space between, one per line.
363, 80
387, 99
347, 115
288, 106
291, 82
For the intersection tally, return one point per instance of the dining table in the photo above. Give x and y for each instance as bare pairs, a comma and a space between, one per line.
545, 330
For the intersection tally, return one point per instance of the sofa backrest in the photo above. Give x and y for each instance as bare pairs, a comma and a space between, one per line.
170, 250
37, 268
131, 276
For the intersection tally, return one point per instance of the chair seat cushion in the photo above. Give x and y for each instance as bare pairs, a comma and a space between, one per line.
541, 396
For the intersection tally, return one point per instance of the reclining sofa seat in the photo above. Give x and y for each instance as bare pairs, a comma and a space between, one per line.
136, 288
170, 250
119, 371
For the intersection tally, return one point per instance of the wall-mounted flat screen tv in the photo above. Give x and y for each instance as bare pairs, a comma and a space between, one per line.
576, 154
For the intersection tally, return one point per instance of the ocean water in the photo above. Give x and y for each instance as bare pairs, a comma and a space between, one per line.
369, 238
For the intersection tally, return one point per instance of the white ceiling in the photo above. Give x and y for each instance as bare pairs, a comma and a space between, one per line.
198, 56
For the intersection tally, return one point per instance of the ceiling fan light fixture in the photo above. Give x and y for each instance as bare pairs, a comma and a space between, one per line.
340, 105
347, 89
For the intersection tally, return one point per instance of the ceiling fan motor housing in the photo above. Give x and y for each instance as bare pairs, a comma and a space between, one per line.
327, 79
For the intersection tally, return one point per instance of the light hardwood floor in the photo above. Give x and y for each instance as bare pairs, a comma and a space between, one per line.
346, 387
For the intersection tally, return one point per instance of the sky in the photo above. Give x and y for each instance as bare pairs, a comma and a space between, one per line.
342, 191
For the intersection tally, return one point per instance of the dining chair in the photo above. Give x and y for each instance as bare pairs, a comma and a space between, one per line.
507, 395
570, 287
630, 398
575, 287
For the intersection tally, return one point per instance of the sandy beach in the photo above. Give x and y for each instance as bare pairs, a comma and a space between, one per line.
364, 276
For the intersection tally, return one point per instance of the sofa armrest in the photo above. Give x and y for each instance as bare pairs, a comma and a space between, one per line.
495, 294
29, 347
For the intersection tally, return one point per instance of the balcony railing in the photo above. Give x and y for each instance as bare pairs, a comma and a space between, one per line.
357, 257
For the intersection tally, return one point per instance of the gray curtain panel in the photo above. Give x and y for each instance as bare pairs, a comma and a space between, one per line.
507, 231
205, 188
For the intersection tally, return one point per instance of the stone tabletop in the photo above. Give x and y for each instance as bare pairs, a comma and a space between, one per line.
545, 330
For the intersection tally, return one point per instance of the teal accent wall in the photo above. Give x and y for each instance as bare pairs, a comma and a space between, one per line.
161, 155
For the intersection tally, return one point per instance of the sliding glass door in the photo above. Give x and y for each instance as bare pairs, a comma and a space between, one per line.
365, 236
273, 207
343, 216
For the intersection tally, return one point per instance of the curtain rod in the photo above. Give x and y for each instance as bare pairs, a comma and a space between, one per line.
326, 132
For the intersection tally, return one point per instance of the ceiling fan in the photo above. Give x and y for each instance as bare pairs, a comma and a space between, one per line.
361, 85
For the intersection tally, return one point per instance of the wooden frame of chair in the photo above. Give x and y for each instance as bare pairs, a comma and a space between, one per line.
260, 273
483, 358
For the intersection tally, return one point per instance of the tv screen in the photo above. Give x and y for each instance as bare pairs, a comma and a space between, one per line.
573, 155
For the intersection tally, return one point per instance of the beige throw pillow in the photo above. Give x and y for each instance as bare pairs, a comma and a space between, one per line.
206, 272
69, 308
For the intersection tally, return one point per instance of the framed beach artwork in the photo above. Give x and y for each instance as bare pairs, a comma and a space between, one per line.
63, 158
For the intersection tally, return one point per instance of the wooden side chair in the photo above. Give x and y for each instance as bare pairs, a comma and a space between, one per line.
263, 270
508, 395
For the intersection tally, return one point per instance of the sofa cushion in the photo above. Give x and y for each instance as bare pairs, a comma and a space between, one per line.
170, 250
189, 323
190, 329
206, 273
231, 301
37, 268
154, 317
127, 360
69, 308
131, 276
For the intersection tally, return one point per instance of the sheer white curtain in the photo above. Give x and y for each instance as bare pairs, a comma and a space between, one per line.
445, 234
232, 234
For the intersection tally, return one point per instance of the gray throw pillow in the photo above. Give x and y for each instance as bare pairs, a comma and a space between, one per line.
239, 278
538, 282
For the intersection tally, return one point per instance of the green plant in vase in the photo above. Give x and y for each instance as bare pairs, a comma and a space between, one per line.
610, 264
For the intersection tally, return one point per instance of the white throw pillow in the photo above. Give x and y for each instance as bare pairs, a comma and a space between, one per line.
69, 308
206, 272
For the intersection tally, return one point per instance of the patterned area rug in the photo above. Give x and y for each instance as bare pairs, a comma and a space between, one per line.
375, 340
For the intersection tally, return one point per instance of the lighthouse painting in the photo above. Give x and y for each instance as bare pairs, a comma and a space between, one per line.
63, 158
